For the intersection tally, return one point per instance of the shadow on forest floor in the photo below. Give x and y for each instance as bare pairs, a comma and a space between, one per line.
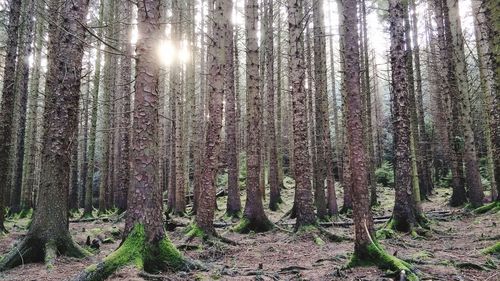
452, 252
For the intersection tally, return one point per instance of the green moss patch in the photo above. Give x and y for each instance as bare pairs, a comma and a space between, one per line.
494, 249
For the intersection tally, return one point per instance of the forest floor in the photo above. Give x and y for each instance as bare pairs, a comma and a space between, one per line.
450, 251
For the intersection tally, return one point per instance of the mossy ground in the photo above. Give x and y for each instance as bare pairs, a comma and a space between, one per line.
458, 236
494, 249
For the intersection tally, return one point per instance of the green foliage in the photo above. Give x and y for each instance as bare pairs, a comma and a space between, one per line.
445, 181
221, 180
493, 207
385, 174
494, 249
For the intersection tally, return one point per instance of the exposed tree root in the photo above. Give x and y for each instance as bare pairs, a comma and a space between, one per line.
323, 232
492, 207
245, 225
145, 255
374, 254
152, 277
32, 249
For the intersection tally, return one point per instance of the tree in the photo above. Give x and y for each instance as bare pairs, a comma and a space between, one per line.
125, 78
323, 139
233, 208
144, 240
216, 61
450, 117
88, 204
30, 174
48, 234
7, 105
303, 195
22, 98
273, 178
254, 217
472, 176
403, 216
366, 248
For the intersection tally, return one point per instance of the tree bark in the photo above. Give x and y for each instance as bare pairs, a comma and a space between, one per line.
22, 98
216, 61
7, 105
233, 207
125, 82
403, 217
49, 234
302, 170
363, 220
254, 217
472, 177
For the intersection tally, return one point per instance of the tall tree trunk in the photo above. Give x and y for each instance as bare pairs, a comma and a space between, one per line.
472, 176
233, 198
7, 105
363, 221
216, 74
273, 176
145, 243
302, 169
125, 82
346, 166
49, 234
403, 217
416, 158
487, 94
89, 192
254, 217
368, 109
323, 140
423, 144
446, 87
29, 171
177, 94
22, 99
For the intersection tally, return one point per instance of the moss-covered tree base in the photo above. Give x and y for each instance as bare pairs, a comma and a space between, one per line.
375, 255
26, 213
492, 207
33, 249
232, 214
492, 250
136, 250
247, 225
194, 231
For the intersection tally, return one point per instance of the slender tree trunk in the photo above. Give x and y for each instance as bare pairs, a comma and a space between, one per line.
29, 171
487, 84
7, 105
363, 221
273, 177
22, 99
302, 169
404, 217
254, 217
472, 177
233, 199
125, 84
346, 166
216, 74
93, 124
447, 75
323, 140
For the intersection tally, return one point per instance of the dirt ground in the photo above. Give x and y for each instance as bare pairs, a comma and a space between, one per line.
451, 251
